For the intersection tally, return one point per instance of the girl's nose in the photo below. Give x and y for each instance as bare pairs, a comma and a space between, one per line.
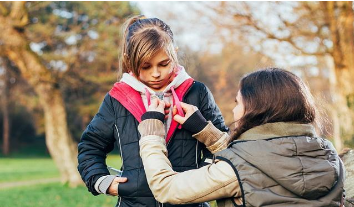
155, 72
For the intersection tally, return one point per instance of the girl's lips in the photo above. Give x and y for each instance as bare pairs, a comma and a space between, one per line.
155, 82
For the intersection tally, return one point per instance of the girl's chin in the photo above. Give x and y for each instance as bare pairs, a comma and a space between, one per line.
157, 87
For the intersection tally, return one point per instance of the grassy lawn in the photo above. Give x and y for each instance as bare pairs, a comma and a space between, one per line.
20, 169
53, 195
50, 194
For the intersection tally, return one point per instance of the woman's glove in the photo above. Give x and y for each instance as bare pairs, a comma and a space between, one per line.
193, 121
204, 131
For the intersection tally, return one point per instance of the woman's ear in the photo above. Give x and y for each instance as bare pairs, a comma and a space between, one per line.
176, 49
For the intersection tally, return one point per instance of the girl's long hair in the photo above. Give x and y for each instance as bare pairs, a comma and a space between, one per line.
143, 38
274, 95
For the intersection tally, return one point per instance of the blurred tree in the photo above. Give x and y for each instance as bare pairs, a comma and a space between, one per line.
79, 44
23, 110
222, 71
15, 46
71, 48
317, 29
4, 91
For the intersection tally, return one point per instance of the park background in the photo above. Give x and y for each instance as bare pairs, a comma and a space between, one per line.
59, 59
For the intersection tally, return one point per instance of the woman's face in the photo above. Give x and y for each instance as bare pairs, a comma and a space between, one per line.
157, 72
239, 109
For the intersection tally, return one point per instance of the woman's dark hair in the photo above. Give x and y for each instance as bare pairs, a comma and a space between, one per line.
274, 95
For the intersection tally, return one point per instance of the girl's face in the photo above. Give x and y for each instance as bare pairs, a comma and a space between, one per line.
239, 109
157, 72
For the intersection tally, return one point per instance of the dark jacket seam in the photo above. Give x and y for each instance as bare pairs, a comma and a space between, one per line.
302, 167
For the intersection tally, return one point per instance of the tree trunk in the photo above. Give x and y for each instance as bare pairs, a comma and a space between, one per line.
332, 107
5, 112
58, 139
340, 18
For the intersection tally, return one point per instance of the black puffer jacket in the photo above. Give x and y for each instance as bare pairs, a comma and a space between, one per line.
114, 124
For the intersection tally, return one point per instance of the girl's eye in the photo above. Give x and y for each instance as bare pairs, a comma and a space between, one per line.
145, 67
165, 64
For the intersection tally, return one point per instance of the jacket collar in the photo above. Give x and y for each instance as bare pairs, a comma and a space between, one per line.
179, 79
278, 129
131, 100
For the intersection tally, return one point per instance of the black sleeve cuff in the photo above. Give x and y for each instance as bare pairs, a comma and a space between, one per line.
195, 123
153, 115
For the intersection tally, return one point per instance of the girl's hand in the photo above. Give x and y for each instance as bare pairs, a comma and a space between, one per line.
113, 188
188, 110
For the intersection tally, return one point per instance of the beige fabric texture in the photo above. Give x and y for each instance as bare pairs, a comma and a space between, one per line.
214, 139
151, 127
210, 182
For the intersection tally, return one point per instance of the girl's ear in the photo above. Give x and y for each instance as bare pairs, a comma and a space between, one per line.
176, 49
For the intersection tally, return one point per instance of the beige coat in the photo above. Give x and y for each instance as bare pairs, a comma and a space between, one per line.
211, 182
293, 147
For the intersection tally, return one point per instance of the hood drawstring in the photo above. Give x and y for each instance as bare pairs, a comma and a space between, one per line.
177, 103
148, 95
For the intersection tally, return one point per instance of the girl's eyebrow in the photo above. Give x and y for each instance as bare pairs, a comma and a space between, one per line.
168, 59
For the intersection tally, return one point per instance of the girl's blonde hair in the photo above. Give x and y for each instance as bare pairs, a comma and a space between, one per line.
143, 37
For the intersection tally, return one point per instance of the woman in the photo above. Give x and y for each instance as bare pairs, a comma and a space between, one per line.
274, 157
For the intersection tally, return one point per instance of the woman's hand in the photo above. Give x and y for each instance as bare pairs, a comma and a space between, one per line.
113, 188
159, 106
188, 110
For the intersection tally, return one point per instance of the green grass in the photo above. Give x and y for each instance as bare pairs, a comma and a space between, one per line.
47, 195
21, 169
114, 161
53, 195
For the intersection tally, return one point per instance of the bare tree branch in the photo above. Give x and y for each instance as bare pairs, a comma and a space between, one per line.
19, 15
290, 39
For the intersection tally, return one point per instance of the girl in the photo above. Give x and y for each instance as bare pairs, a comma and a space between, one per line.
151, 70
274, 158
